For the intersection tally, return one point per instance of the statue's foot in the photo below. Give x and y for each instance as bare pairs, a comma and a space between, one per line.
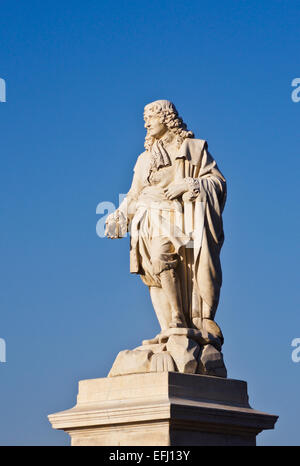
152, 341
176, 324
177, 321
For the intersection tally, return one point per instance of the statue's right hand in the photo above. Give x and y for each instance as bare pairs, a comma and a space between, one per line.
111, 227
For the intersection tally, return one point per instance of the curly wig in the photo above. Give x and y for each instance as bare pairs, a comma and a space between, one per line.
168, 115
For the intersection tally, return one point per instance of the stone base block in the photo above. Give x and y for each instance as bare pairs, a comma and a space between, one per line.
161, 409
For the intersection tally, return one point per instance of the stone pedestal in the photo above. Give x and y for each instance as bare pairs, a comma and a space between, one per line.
160, 409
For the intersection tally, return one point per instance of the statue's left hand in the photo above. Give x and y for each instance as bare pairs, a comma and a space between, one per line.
176, 190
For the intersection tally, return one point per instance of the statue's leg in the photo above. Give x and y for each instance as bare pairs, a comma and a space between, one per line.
161, 306
164, 261
207, 324
171, 287
207, 311
162, 310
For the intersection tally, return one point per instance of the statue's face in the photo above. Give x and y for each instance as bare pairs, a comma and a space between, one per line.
155, 128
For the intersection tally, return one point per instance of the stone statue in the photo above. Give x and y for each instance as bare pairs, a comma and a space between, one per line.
162, 393
173, 212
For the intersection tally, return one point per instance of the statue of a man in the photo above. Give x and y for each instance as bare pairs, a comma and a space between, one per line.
173, 211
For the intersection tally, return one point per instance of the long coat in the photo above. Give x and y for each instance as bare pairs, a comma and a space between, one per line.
200, 218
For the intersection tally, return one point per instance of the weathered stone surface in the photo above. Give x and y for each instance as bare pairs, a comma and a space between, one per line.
185, 352
192, 333
201, 336
155, 348
162, 362
211, 362
131, 362
173, 211
174, 204
180, 349
210, 332
163, 408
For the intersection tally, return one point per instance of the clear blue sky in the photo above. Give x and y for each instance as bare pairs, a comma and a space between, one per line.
78, 75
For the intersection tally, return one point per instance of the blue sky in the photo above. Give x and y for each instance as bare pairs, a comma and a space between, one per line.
78, 75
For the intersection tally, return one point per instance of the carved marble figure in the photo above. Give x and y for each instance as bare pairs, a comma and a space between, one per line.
173, 212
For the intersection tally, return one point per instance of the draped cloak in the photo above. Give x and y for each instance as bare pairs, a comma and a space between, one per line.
198, 217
